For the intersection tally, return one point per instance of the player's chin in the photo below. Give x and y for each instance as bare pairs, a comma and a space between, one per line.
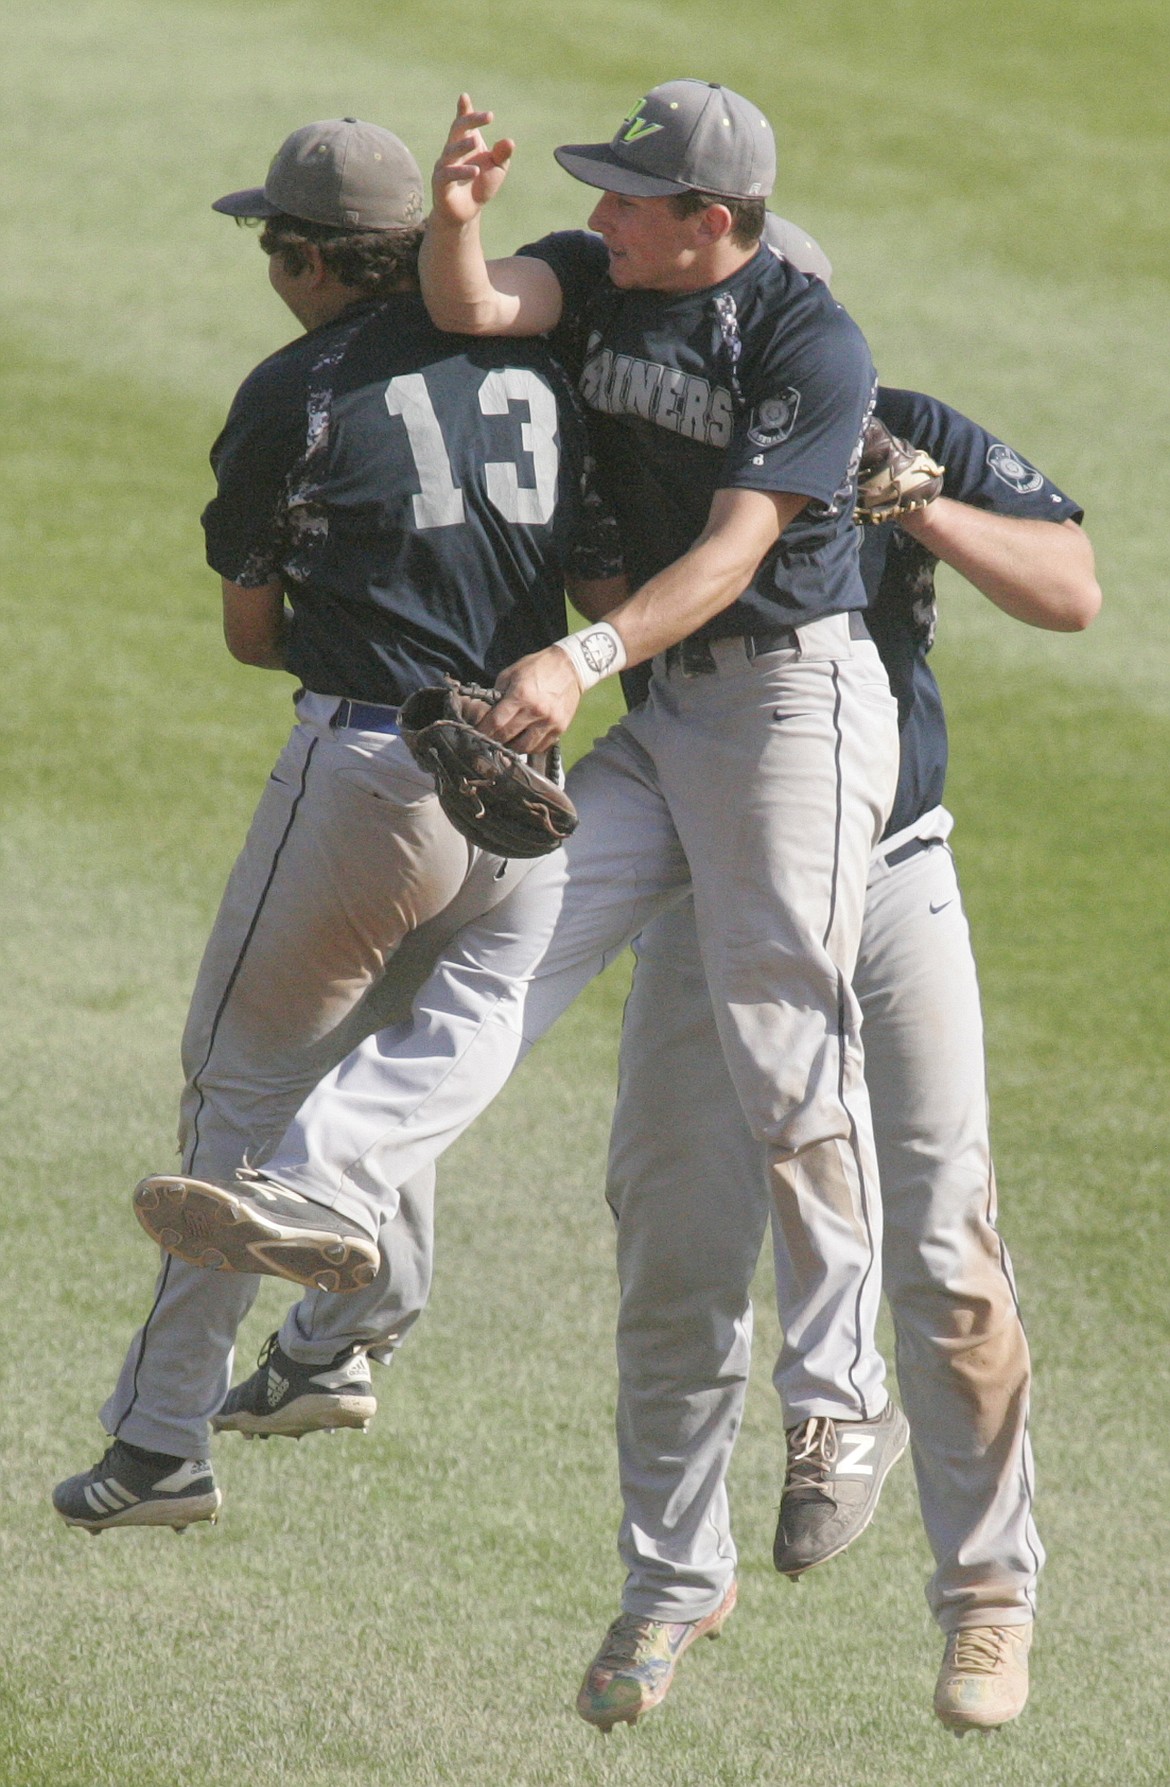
619, 269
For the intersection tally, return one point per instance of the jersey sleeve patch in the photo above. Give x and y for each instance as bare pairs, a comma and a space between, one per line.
1010, 469
773, 420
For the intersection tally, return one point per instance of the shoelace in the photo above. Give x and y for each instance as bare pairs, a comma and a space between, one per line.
979, 1650
624, 1639
812, 1453
267, 1350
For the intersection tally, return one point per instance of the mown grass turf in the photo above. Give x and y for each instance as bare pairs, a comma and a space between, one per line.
418, 1605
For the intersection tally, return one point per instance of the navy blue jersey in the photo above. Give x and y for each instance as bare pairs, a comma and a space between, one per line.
419, 496
899, 576
761, 382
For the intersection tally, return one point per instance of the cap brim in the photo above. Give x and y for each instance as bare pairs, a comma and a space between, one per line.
597, 165
251, 203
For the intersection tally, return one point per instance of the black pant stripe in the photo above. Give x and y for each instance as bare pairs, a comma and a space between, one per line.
1010, 1280
243, 951
162, 1285
854, 1141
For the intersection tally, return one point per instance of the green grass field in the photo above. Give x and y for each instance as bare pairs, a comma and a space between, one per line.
417, 1606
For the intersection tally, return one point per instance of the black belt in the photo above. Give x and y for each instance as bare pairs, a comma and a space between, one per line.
912, 848
694, 657
365, 716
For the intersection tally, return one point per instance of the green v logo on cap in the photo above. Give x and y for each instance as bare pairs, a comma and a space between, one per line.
638, 127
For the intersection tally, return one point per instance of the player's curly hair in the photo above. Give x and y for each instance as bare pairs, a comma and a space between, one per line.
373, 262
747, 215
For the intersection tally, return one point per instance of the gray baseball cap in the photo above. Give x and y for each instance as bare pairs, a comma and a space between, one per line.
793, 244
342, 172
685, 136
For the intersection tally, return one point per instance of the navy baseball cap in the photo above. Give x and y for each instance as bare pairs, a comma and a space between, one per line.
342, 172
685, 136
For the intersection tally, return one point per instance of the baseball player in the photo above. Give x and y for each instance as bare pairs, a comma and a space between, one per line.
393, 505
687, 1188
729, 394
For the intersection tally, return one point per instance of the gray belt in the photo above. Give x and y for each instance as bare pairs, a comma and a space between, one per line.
913, 847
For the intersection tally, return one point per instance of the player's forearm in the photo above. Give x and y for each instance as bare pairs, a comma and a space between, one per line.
256, 624
542, 691
1040, 572
456, 287
681, 599
596, 597
744, 525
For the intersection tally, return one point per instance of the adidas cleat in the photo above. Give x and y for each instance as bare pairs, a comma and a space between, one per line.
125, 1489
255, 1225
288, 1398
835, 1474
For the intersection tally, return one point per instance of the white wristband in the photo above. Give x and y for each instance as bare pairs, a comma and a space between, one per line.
594, 653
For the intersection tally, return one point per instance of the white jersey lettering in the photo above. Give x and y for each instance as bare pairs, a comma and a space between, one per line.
623, 385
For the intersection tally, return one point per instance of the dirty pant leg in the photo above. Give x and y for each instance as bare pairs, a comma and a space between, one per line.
687, 1185
405, 1094
348, 851
380, 1318
962, 1356
799, 761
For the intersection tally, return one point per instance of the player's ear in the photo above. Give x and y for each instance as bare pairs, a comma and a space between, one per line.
715, 222
316, 272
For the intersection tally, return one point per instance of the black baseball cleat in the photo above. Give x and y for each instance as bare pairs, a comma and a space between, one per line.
255, 1225
835, 1474
132, 1488
288, 1398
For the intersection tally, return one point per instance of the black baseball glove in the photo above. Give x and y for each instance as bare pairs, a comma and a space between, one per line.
894, 477
503, 802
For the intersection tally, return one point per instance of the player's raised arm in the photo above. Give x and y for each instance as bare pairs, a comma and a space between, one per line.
462, 290
1040, 572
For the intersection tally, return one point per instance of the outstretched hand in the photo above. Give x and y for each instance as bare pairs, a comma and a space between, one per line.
468, 173
541, 695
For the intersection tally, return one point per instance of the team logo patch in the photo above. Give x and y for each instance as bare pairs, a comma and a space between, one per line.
1010, 469
774, 419
636, 127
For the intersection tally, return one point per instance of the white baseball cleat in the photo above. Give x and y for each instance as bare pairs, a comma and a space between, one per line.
255, 1225
983, 1681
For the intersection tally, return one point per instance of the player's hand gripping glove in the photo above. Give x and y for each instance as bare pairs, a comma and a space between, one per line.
503, 802
893, 478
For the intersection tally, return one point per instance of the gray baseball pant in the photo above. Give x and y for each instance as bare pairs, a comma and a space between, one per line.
688, 1189
763, 787
349, 865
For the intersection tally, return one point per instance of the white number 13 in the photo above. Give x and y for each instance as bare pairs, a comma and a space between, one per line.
440, 501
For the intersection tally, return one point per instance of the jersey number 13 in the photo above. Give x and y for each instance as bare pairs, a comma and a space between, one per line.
440, 500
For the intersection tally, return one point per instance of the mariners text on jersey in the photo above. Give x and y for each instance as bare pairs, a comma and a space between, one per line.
624, 385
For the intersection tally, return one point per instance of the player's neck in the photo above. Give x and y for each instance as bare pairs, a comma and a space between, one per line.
715, 264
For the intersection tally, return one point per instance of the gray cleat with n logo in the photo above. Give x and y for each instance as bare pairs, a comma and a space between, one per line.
287, 1398
835, 1474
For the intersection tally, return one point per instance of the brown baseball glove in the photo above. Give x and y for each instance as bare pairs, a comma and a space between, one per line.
505, 803
894, 478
